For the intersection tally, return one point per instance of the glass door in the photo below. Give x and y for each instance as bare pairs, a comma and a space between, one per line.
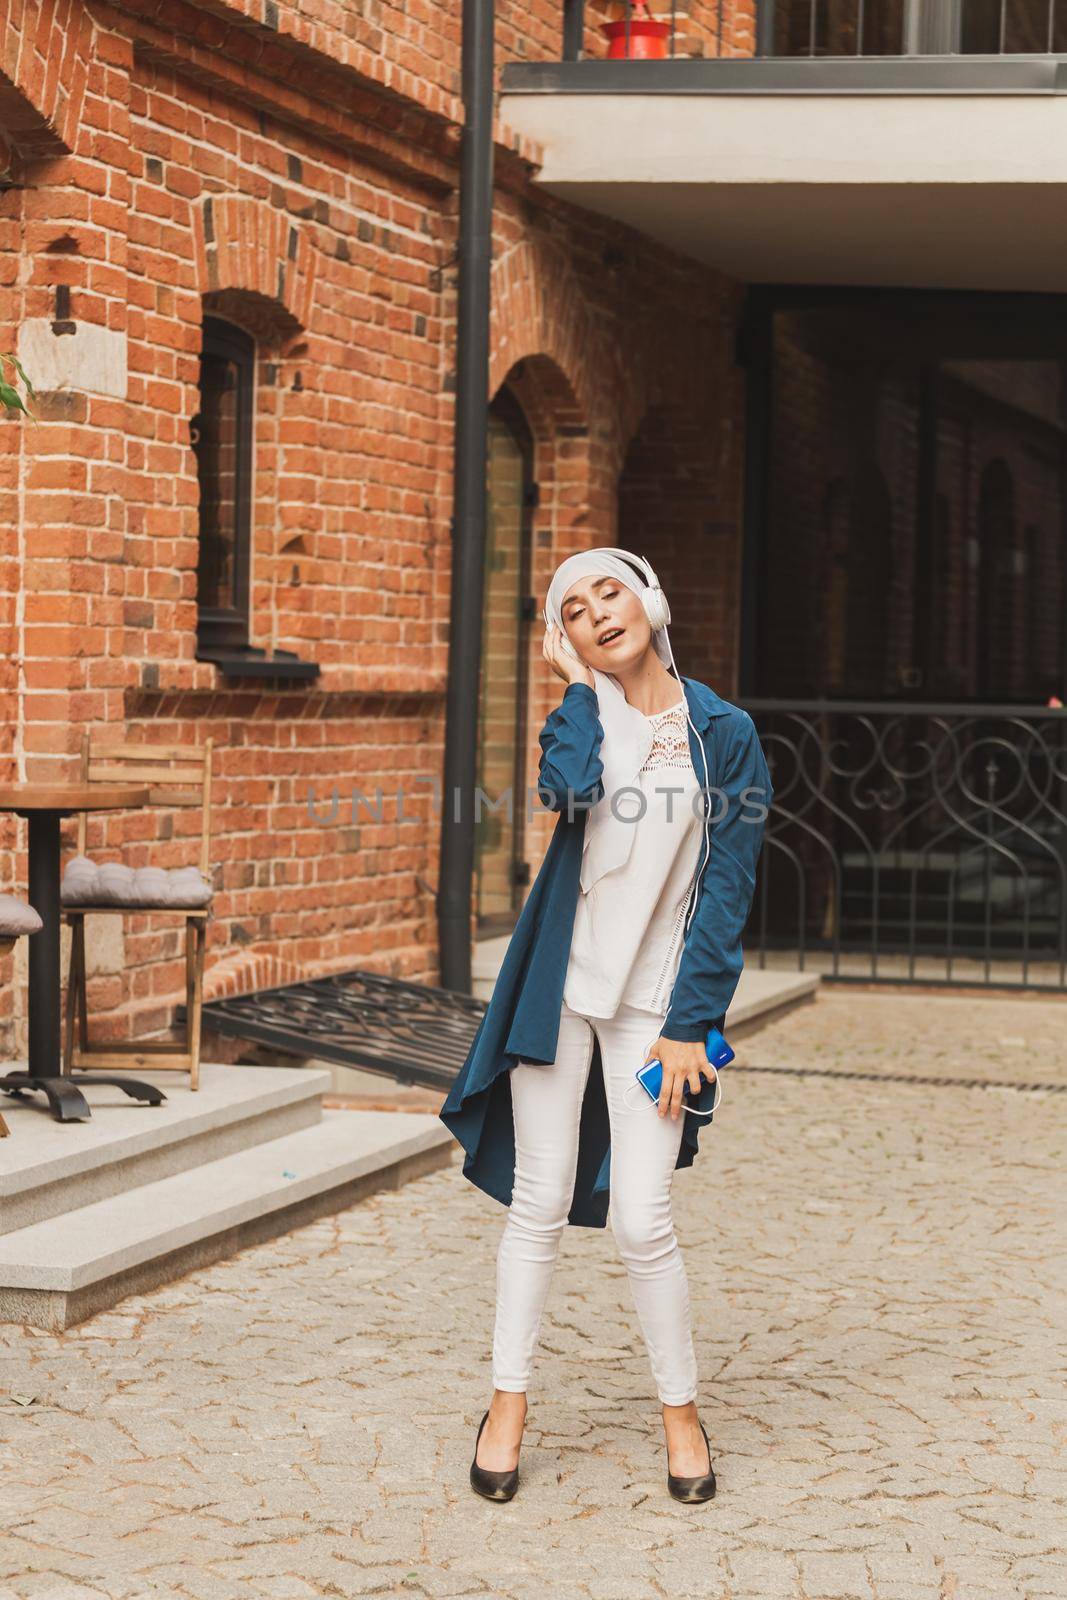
914, 534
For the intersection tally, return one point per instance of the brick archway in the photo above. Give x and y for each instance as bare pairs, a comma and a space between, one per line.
564, 459
574, 498
539, 312
44, 63
246, 245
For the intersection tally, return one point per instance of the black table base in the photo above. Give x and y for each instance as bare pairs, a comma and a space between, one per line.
67, 1102
66, 1099
43, 988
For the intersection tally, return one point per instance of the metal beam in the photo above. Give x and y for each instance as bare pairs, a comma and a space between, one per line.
573, 29
795, 75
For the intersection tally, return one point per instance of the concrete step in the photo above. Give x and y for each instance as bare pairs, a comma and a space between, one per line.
765, 994
49, 1167
58, 1272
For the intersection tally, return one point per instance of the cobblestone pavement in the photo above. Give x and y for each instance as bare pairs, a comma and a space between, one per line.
876, 1275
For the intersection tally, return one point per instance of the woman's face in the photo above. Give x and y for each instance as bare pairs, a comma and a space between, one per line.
606, 623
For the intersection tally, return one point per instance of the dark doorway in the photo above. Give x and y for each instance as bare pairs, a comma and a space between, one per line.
500, 867
904, 638
907, 516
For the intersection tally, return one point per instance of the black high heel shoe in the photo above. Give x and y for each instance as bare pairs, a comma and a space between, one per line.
494, 1485
691, 1490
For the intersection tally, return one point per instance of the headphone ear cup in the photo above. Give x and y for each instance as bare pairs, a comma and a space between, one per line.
657, 610
653, 599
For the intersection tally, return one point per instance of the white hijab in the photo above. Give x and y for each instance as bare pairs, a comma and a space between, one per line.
628, 733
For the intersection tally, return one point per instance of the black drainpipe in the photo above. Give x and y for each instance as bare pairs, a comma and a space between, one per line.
469, 499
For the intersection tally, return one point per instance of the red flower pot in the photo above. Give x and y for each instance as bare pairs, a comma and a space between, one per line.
648, 39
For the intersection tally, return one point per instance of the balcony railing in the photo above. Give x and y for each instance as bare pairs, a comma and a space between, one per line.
828, 29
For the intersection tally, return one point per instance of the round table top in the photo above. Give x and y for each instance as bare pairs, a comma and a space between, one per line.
76, 796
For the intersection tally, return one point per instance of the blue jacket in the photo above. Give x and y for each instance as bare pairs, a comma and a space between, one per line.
521, 1022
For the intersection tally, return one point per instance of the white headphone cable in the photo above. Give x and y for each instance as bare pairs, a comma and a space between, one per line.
692, 1110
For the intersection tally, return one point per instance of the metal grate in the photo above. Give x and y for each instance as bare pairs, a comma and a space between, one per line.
406, 1031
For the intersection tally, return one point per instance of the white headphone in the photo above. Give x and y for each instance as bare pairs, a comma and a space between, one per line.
652, 597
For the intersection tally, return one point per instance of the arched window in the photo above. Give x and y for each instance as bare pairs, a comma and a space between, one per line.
221, 435
999, 651
856, 583
1036, 585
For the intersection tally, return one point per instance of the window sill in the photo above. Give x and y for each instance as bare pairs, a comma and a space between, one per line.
200, 676
247, 661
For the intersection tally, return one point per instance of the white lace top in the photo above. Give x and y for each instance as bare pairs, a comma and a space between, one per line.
628, 930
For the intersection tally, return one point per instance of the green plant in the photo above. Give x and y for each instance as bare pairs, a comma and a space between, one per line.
9, 394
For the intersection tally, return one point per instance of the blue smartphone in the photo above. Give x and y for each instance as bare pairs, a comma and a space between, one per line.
718, 1052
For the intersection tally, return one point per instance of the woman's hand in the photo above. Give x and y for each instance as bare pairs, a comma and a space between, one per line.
683, 1062
565, 666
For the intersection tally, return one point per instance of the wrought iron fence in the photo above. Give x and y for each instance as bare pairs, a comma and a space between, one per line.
912, 27
914, 843
822, 28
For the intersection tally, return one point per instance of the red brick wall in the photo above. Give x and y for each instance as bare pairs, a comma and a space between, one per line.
302, 180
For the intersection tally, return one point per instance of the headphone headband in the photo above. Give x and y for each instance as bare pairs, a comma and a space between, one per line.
632, 559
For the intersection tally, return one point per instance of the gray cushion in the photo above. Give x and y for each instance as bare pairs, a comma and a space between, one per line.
109, 883
17, 918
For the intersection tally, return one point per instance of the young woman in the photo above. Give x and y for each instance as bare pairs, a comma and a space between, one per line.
628, 948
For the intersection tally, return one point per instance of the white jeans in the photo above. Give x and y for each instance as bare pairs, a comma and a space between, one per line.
644, 1148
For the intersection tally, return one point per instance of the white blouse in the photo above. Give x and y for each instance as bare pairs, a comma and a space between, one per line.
627, 941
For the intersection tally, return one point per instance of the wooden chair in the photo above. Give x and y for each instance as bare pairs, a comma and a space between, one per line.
16, 918
175, 776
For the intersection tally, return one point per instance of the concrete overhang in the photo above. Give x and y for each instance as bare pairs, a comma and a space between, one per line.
943, 172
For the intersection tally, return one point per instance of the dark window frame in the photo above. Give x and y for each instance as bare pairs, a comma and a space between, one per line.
231, 625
